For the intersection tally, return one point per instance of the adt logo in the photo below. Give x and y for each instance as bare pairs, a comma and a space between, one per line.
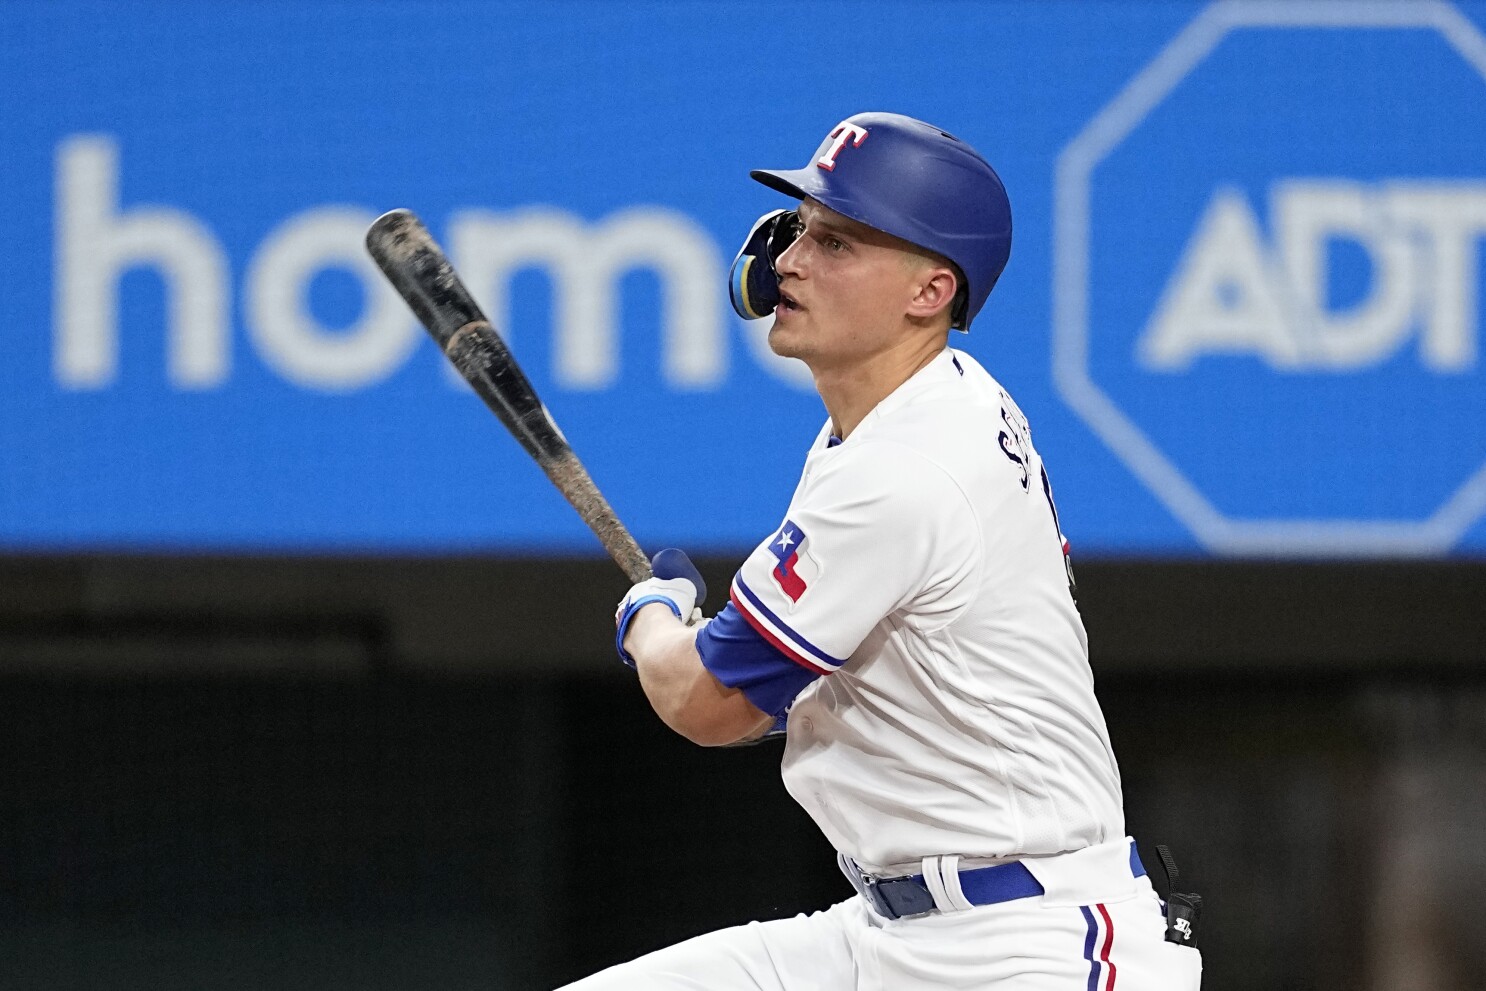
1267, 277
1233, 294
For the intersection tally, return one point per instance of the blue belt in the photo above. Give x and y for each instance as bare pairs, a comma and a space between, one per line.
898, 897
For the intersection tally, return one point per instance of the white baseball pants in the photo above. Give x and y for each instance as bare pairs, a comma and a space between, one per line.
1092, 930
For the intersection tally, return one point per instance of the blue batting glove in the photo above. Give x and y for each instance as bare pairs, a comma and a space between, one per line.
675, 581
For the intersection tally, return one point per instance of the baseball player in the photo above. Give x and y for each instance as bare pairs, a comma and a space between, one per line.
910, 625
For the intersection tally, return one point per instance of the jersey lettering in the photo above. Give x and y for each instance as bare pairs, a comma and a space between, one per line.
1047, 490
1016, 439
843, 133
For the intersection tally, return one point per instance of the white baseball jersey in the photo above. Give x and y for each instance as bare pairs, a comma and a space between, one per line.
921, 568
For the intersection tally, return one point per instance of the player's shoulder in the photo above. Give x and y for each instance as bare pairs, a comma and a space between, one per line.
980, 387
883, 464
958, 407
959, 421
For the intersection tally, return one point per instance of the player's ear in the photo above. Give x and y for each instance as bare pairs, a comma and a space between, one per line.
934, 291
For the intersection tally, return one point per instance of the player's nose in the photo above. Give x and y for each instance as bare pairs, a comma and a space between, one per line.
791, 261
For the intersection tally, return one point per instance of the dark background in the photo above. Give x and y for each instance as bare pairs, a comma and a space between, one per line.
376, 773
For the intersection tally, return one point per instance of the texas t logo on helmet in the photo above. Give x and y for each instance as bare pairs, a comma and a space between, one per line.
844, 132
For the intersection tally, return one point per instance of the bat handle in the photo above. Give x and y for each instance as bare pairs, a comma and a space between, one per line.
622, 548
573, 481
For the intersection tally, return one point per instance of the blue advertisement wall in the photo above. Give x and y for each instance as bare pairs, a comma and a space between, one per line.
1243, 310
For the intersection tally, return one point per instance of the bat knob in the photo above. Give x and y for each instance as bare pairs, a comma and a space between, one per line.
673, 563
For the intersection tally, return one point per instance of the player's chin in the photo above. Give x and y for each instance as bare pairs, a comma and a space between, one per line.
785, 341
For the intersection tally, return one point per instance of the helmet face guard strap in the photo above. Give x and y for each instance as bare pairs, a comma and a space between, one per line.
911, 180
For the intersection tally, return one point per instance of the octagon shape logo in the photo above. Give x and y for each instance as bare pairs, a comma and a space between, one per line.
1266, 277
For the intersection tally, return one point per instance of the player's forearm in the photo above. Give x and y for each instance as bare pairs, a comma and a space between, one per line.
681, 690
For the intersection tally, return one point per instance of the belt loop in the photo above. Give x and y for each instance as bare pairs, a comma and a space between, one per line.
934, 881
942, 877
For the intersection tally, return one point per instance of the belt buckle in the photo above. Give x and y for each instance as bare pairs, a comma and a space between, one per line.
910, 897
871, 891
866, 885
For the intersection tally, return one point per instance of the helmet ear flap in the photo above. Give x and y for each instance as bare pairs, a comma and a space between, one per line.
959, 307
753, 286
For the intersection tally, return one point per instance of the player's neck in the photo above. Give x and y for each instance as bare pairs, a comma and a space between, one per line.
850, 392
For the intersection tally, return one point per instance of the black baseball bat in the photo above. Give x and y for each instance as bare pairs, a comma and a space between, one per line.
416, 266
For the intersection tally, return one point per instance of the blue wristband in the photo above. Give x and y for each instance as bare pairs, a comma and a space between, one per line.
629, 614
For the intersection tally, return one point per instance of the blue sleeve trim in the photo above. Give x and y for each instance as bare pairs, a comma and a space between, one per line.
740, 658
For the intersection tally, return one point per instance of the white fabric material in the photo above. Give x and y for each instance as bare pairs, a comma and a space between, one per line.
929, 582
680, 592
1024, 945
1095, 874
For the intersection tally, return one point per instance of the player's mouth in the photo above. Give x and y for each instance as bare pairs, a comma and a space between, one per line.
787, 304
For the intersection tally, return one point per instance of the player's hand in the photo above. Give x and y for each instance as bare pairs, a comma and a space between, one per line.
676, 583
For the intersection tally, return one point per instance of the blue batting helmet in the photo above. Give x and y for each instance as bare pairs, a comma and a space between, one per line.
916, 182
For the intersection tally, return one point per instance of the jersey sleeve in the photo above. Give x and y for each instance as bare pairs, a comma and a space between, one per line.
738, 657
881, 529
